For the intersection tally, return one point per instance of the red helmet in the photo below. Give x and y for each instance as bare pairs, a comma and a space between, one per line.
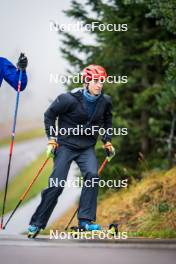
94, 72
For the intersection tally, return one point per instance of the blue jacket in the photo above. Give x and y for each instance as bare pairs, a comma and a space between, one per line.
10, 74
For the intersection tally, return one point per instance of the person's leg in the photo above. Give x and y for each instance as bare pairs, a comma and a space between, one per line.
49, 196
88, 165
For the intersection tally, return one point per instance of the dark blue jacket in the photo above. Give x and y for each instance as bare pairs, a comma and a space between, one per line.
10, 73
70, 110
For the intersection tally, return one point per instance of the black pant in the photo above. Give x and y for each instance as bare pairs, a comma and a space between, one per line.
87, 162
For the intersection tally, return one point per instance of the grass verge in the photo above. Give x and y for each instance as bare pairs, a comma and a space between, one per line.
144, 209
23, 136
19, 184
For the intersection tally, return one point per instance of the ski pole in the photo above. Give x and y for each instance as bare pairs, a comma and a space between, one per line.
107, 159
26, 192
11, 145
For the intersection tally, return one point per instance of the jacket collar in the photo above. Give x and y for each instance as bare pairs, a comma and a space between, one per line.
78, 93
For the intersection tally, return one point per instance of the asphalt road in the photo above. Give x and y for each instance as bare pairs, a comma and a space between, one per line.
20, 250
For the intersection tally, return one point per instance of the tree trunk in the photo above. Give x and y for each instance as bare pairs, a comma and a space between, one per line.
144, 131
144, 115
171, 140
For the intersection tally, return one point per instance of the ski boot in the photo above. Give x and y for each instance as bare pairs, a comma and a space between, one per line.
86, 225
33, 231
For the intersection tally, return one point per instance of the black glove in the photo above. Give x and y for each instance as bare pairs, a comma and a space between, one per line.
22, 62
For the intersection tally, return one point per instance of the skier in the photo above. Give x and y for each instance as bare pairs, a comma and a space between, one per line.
10, 73
88, 107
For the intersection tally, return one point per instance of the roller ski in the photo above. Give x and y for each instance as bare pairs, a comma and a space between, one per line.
91, 228
33, 231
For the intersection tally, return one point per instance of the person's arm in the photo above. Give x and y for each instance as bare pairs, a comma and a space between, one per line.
11, 75
107, 121
59, 106
110, 150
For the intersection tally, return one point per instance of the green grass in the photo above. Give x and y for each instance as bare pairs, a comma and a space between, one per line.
19, 183
140, 210
166, 233
23, 136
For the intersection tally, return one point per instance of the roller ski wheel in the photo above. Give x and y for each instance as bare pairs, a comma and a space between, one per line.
113, 229
75, 230
32, 235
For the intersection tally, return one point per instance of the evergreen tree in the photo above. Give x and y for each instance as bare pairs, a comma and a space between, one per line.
146, 53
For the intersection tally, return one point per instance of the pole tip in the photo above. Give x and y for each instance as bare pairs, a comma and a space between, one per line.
2, 227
